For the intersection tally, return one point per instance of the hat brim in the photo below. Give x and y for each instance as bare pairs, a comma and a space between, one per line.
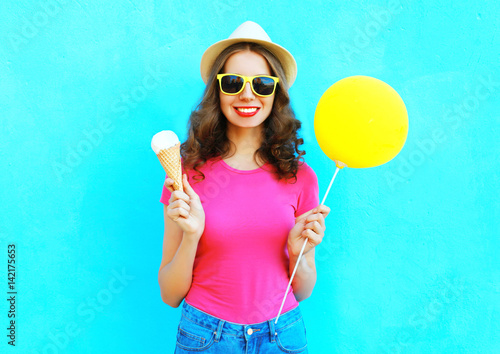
286, 59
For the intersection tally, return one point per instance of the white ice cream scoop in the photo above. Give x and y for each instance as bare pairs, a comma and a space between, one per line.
167, 148
164, 140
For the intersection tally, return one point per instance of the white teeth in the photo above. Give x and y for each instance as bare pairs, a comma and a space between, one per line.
247, 110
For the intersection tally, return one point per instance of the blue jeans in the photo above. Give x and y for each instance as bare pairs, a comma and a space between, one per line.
200, 332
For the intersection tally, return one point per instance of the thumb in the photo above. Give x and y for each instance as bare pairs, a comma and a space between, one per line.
187, 187
301, 223
303, 217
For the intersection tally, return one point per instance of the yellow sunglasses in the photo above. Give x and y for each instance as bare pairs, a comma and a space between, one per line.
233, 84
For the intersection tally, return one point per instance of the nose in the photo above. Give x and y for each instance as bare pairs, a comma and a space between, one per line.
247, 93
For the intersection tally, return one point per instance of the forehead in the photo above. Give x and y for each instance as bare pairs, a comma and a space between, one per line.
247, 63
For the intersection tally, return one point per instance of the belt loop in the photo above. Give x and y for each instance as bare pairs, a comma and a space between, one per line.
219, 330
271, 330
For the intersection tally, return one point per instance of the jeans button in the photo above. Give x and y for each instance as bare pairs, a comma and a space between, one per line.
249, 331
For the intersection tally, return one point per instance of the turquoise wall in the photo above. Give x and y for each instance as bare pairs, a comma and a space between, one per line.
410, 260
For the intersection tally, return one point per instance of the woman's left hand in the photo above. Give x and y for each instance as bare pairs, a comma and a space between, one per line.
309, 225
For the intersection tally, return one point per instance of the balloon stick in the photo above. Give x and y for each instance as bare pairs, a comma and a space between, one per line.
303, 247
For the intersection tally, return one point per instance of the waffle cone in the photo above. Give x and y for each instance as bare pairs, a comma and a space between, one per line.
170, 160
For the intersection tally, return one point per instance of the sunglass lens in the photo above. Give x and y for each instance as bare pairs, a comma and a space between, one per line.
263, 85
231, 83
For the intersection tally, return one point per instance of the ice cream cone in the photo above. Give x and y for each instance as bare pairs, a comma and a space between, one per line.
170, 160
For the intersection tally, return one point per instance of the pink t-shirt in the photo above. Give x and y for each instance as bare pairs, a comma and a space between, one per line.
240, 272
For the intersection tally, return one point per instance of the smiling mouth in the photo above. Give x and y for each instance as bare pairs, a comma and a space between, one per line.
247, 110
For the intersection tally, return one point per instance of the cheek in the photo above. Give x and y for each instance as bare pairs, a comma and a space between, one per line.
225, 102
268, 104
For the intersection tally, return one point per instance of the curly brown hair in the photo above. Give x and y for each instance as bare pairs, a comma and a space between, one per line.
207, 124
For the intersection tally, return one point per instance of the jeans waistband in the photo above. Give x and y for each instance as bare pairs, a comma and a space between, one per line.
221, 326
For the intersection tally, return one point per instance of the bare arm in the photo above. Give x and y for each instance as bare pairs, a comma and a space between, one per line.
309, 225
305, 277
184, 224
176, 269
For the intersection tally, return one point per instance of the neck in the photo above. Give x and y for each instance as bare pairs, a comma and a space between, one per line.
246, 140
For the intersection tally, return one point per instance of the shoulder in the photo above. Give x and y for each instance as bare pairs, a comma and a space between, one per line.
306, 173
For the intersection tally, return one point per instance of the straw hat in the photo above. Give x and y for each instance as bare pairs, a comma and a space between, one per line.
250, 32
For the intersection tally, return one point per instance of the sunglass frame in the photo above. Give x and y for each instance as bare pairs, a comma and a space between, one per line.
246, 79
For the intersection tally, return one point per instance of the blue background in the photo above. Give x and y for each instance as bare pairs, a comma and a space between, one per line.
410, 260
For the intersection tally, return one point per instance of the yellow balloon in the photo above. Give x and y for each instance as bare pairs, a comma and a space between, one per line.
361, 122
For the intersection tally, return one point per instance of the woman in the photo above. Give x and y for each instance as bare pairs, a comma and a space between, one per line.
233, 236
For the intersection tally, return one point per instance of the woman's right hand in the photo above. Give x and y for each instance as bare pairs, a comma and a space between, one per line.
185, 209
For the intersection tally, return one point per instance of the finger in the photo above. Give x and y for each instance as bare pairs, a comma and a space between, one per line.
321, 219
316, 216
176, 213
169, 184
303, 216
179, 195
323, 209
300, 223
179, 203
298, 228
313, 237
315, 226
187, 187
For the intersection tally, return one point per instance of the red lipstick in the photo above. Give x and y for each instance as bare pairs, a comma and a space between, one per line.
246, 111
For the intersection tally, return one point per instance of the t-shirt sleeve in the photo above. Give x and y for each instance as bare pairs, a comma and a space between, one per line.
309, 194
